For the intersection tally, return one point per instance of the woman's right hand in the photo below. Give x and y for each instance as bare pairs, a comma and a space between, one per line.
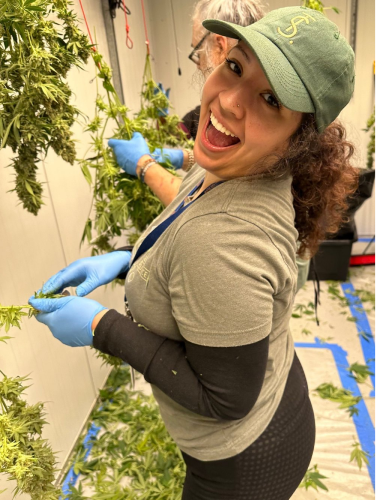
128, 153
89, 273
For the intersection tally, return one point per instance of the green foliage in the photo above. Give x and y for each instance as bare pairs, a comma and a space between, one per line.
24, 456
306, 331
122, 201
360, 372
301, 309
11, 315
35, 114
334, 292
108, 359
318, 5
312, 479
371, 143
323, 340
366, 296
359, 456
134, 457
345, 398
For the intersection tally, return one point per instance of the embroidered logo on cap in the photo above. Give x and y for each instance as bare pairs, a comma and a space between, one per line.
294, 24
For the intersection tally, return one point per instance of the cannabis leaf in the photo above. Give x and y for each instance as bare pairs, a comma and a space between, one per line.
24, 456
371, 145
39, 43
300, 309
11, 315
360, 372
345, 398
133, 457
318, 5
359, 456
312, 479
121, 201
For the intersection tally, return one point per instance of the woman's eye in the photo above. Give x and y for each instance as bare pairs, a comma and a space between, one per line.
234, 66
271, 100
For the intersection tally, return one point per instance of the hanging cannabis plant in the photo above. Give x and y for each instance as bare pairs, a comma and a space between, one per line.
318, 5
371, 143
122, 201
35, 111
24, 456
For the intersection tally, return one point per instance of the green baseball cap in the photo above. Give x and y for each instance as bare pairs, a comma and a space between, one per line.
309, 64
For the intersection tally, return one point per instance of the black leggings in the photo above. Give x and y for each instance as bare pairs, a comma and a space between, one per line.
273, 466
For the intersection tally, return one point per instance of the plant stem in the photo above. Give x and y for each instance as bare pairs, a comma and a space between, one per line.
19, 307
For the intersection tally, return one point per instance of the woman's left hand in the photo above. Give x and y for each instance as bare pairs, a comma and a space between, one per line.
69, 318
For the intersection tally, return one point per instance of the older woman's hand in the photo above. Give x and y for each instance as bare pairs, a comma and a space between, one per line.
159, 88
128, 153
174, 156
69, 318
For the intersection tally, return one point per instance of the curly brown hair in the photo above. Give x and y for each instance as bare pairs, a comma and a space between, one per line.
323, 180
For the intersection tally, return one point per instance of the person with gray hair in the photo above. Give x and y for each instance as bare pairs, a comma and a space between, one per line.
212, 47
209, 51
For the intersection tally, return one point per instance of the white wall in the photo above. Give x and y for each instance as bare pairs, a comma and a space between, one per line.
185, 88
184, 94
361, 106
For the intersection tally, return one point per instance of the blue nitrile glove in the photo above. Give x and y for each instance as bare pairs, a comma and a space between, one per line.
68, 318
129, 152
159, 88
175, 156
89, 273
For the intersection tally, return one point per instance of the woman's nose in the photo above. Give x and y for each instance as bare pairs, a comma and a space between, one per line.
232, 102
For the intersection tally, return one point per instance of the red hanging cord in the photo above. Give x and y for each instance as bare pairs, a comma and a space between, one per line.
146, 30
88, 30
128, 42
87, 25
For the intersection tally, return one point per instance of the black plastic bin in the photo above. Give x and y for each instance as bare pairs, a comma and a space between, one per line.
331, 261
333, 257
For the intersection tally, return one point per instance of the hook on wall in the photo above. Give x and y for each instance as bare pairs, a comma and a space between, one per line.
118, 4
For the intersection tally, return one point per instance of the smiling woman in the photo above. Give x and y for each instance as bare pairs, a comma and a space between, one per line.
210, 285
238, 95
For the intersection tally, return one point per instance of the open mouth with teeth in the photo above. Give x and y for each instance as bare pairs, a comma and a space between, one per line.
217, 135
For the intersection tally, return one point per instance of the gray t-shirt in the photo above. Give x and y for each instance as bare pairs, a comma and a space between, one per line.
222, 274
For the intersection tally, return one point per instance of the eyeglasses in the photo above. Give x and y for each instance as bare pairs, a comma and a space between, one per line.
194, 56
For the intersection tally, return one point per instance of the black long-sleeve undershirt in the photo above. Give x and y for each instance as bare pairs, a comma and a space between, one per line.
217, 382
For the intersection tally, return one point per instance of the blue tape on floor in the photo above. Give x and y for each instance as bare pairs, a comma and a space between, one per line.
71, 477
362, 325
363, 423
365, 240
